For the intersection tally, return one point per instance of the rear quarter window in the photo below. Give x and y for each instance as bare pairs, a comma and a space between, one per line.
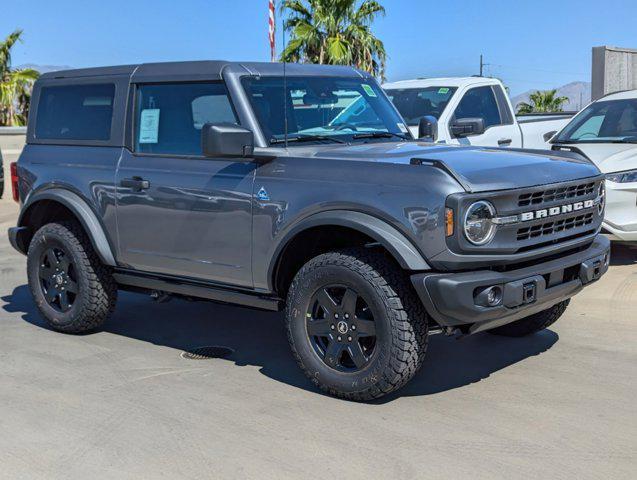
75, 112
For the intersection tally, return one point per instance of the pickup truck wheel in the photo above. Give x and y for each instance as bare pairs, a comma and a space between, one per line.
355, 325
73, 290
533, 323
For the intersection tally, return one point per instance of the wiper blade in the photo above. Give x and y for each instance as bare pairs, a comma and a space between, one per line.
306, 138
379, 135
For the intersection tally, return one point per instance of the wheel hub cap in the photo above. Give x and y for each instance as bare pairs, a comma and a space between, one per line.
342, 327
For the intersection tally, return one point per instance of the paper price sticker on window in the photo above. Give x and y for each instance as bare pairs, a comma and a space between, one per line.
149, 126
369, 90
443, 91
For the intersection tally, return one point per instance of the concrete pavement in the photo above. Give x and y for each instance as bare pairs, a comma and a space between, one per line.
123, 403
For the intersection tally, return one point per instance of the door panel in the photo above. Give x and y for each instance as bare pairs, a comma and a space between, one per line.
481, 102
194, 218
179, 213
496, 136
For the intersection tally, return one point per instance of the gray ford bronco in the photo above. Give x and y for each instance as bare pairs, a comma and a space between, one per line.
295, 187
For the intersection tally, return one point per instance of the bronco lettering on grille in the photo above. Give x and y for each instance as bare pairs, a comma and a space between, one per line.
551, 212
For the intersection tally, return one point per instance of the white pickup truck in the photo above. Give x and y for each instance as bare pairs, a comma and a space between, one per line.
470, 111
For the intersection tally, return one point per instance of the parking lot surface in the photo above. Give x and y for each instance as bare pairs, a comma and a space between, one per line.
122, 403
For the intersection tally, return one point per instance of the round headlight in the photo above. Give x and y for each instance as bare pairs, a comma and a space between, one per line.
478, 227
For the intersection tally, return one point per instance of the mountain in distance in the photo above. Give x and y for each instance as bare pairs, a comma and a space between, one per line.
45, 68
578, 94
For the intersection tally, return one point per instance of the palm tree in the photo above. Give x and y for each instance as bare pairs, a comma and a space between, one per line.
336, 32
546, 101
15, 85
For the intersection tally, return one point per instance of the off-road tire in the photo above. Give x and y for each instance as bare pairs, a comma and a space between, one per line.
398, 313
97, 290
533, 323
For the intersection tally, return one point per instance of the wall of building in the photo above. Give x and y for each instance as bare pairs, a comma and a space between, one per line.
12, 140
614, 69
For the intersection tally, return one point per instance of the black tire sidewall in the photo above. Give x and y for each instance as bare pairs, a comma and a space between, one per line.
46, 238
308, 283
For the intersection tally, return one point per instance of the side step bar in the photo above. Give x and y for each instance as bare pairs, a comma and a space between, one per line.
197, 289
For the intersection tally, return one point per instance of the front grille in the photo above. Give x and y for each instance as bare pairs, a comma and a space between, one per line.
549, 228
556, 194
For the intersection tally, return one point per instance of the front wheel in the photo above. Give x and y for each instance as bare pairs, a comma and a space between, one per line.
73, 291
532, 323
355, 325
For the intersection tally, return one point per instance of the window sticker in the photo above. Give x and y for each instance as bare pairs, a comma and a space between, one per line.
403, 127
369, 90
443, 91
149, 126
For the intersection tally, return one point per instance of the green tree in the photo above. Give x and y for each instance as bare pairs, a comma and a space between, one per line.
335, 32
15, 85
542, 102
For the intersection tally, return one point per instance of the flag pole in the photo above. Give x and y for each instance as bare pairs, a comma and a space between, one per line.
272, 30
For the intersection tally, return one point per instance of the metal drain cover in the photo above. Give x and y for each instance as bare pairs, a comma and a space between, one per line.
207, 352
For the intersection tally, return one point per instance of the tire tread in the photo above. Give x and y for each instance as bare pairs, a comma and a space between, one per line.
407, 315
102, 288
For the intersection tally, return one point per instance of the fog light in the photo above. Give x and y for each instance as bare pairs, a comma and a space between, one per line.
493, 296
489, 297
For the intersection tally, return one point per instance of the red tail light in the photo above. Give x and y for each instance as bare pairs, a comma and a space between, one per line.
14, 181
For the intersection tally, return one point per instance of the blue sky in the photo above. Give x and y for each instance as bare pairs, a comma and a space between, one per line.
529, 44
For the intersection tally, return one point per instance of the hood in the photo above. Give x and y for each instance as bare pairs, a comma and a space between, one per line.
477, 169
609, 157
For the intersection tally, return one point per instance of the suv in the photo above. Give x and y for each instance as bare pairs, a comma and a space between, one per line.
606, 133
242, 183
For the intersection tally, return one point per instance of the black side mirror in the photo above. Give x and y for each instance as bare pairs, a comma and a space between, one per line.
463, 127
226, 140
428, 127
548, 135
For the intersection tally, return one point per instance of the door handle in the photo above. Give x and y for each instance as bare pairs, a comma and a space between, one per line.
137, 184
504, 141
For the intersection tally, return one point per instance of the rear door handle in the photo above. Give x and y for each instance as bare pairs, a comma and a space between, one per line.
137, 184
504, 141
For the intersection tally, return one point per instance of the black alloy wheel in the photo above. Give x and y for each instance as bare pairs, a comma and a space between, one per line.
58, 279
341, 328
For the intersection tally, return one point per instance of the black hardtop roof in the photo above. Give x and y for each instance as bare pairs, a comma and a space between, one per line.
206, 69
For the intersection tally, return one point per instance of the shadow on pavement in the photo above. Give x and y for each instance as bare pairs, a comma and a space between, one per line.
623, 254
258, 338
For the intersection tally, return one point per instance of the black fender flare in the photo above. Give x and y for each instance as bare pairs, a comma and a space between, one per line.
82, 211
398, 245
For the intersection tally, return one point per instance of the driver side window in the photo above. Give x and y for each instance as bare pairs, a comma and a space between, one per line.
479, 102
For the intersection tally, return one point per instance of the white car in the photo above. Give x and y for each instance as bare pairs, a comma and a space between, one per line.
471, 111
606, 133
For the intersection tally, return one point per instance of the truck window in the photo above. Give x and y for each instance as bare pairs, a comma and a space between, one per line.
169, 117
479, 102
415, 103
75, 112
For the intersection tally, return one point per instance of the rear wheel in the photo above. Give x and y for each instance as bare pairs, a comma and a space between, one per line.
355, 325
533, 323
73, 290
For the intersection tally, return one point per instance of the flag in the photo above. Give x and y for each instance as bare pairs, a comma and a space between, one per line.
271, 32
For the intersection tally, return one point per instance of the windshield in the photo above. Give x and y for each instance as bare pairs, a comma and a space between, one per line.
609, 121
323, 109
415, 103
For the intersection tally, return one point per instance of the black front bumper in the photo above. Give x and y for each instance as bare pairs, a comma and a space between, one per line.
450, 298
